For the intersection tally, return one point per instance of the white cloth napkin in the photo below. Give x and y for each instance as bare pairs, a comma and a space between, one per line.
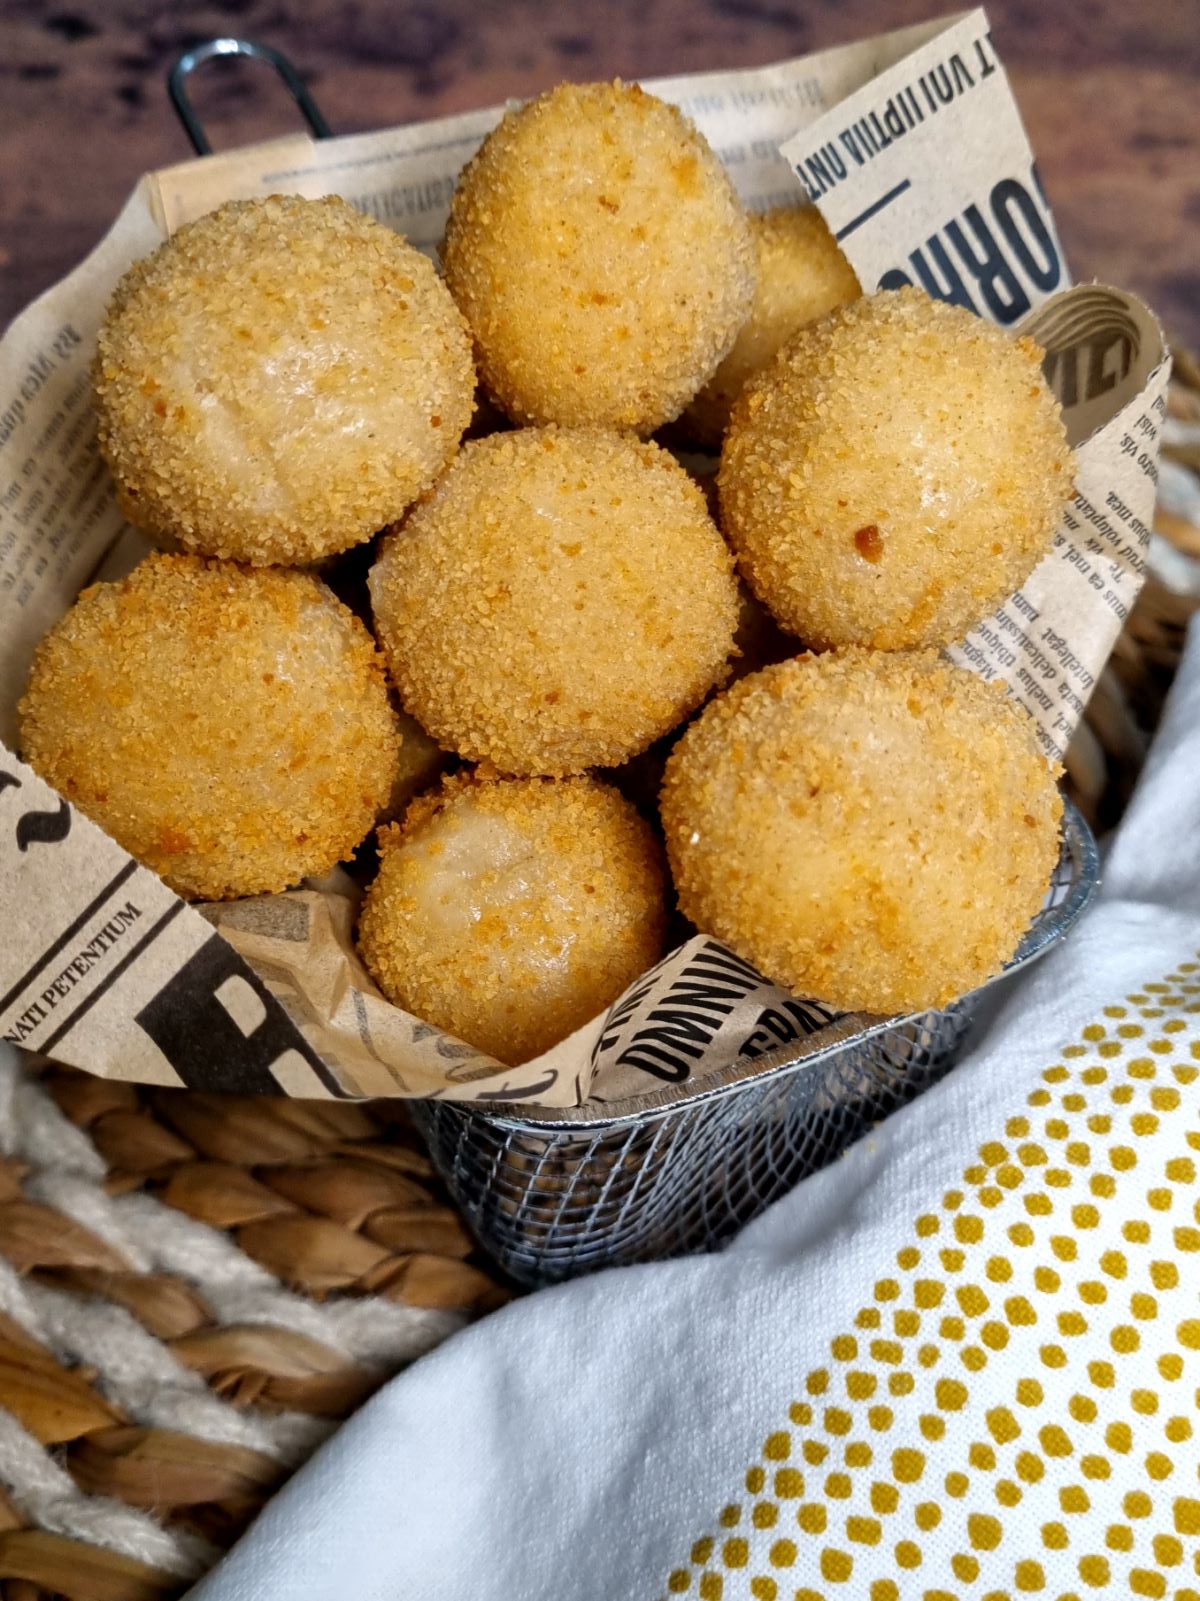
963, 1361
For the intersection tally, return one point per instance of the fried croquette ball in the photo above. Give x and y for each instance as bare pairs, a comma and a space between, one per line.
559, 601
280, 380
421, 761
229, 726
870, 830
895, 473
601, 256
510, 911
758, 641
802, 274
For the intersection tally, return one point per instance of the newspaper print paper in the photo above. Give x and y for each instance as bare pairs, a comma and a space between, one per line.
912, 146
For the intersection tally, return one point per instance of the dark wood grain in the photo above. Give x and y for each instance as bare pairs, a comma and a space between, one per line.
1108, 89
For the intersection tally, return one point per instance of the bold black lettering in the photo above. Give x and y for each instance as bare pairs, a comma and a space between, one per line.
880, 131
188, 1022
939, 277
894, 278
819, 174
1002, 293
44, 828
672, 1027
863, 128
779, 1025
1012, 205
851, 144
985, 62
651, 1059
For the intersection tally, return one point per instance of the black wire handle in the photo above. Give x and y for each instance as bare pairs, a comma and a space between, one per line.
191, 59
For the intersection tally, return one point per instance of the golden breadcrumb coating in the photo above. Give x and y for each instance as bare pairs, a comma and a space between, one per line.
229, 726
895, 473
874, 831
510, 911
559, 601
802, 274
601, 256
280, 380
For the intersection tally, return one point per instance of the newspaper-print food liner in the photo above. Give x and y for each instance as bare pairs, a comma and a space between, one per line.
912, 146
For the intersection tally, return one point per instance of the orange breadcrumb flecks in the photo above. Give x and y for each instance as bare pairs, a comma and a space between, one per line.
914, 419
279, 380
802, 275
601, 256
229, 726
510, 911
872, 830
560, 600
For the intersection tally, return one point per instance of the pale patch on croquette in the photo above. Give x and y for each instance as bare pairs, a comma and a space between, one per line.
510, 911
895, 473
601, 256
558, 601
875, 831
229, 726
802, 275
279, 380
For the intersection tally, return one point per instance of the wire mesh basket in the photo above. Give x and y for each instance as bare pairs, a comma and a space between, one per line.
684, 1168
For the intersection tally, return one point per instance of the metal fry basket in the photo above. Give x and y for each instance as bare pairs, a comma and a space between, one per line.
682, 1169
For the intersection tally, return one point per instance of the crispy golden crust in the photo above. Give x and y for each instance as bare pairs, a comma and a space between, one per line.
230, 727
894, 474
280, 380
601, 256
872, 830
802, 274
510, 911
559, 601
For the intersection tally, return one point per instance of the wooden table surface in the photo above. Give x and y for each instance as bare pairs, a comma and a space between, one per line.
1110, 90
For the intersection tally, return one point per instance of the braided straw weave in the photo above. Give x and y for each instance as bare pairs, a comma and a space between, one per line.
195, 1288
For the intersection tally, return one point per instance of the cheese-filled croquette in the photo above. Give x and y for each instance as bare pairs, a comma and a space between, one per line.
510, 911
558, 601
279, 380
601, 256
802, 274
896, 472
871, 830
229, 726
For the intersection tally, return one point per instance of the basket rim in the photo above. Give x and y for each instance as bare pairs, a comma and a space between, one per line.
1078, 851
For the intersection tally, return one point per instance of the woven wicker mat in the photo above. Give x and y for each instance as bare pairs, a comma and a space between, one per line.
195, 1288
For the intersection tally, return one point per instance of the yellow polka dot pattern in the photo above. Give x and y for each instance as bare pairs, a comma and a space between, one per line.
1036, 1348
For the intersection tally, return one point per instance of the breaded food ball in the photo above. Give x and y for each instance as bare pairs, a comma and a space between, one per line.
280, 380
559, 601
873, 831
421, 761
802, 274
759, 641
229, 726
895, 473
510, 911
601, 256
